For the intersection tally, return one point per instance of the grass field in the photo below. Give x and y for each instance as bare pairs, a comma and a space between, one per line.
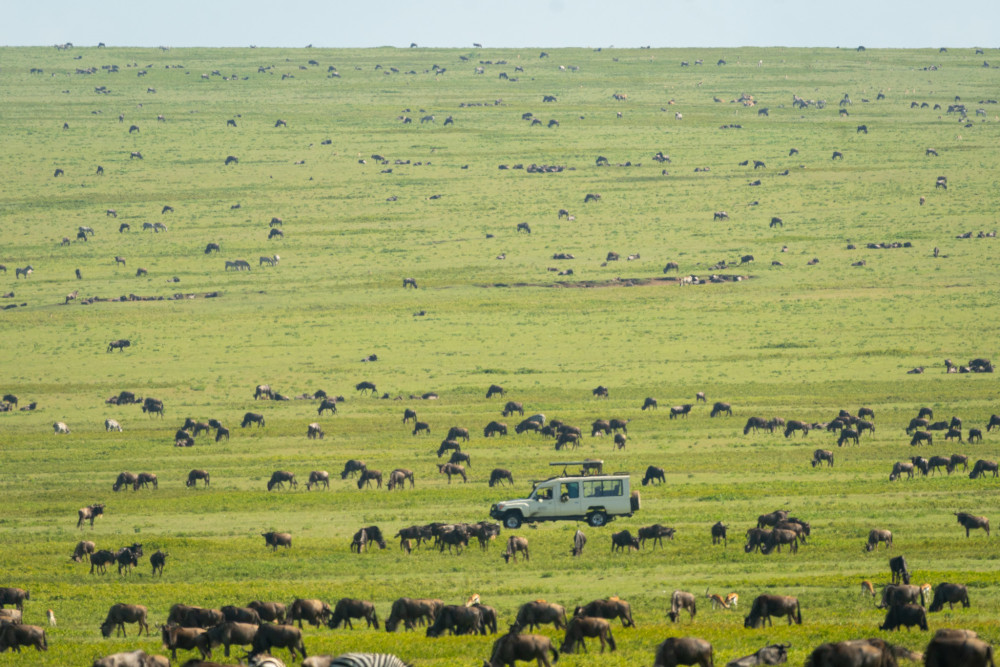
796, 340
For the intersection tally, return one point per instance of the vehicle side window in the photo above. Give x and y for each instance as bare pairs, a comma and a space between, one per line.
591, 489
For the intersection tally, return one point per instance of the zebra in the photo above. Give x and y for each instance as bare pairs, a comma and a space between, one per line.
356, 660
270, 261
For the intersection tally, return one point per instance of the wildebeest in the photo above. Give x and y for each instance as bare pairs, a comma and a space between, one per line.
766, 606
515, 545
908, 615
773, 654
279, 636
409, 611
410, 282
83, 547
317, 477
600, 391
233, 632
982, 467
100, 560
511, 407
90, 513
269, 611
275, 233
158, 560
921, 436
369, 475
124, 479
900, 468
899, 594
252, 418
232, 159
189, 639
314, 431
128, 557
234, 614
675, 651
212, 247
495, 389
680, 410
656, 533
494, 428
539, 612
682, 600
900, 572
456, 432
398, 477
279, 477
579, 542
719, 533
16, 636
120, 614
585, 626
348, 608
821, 455
314, 612
153, 406
950, 593
327, 404
610, 608
14, 596
875, 536
857, 653
654, 473
351, 467
459, 620
195, 475
513, 647
720, 408
958, 648
846, 435
971, 522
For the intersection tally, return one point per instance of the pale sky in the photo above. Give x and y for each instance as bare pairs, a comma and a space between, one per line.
503, 23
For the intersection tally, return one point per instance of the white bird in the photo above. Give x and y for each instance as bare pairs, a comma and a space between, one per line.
52, 617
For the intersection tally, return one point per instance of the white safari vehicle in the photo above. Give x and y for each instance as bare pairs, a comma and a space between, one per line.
590, 496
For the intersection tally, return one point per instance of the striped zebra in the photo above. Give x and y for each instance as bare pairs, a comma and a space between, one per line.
355, 660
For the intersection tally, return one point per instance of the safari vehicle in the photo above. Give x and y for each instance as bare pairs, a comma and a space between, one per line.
589, 496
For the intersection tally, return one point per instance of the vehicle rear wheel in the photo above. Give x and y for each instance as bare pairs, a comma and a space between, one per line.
597, 519
512, 520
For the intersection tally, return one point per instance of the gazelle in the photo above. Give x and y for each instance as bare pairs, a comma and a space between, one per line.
867, 588
717, 601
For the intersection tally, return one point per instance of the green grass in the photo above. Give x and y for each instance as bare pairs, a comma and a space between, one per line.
796, 341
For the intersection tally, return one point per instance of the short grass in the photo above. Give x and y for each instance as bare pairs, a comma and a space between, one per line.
799, 341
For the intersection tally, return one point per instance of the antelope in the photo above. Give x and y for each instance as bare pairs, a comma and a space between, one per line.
867, 588
717, 600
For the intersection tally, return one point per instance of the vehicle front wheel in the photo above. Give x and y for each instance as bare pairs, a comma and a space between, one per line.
597, 519
512, 520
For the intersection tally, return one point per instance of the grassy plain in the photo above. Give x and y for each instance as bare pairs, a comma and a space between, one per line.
800, 341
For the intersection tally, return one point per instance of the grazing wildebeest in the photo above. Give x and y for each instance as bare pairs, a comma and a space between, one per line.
317, 477
600, 391
448, 445
419, 426
153, 406
858, 653
450, 469
528, 425
982, 467
351, 467
232, 159
900, 572
456, 432
158, 560
410, 282
821, 455
513, 647
539, 612
460, 620
494, 428
364, 387
671, 266
275, 540
579, 542
585, 626
252, 418
975, 435
348, 608
754, 424
195, 475
269, 611
772, 518
498, 475
765, 606
398, 477
367, 476
649, 403
16, 636
90, 513
314, 612
83, 547
610, 608
681, 600
900, 468
654, 473
120, 614
908, 615
515, 545
680, 410
279, 477
112, 425
495, 389
875, 536
950, 593
511, 407
409, 415
275, 233
720, 215
212, 247
124, 479
846, 435
719, 533
314, 431
189, 639
675, 651
971, 522
921, 436
279, 636
773, 654
409, 611
720, 408
233, 633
